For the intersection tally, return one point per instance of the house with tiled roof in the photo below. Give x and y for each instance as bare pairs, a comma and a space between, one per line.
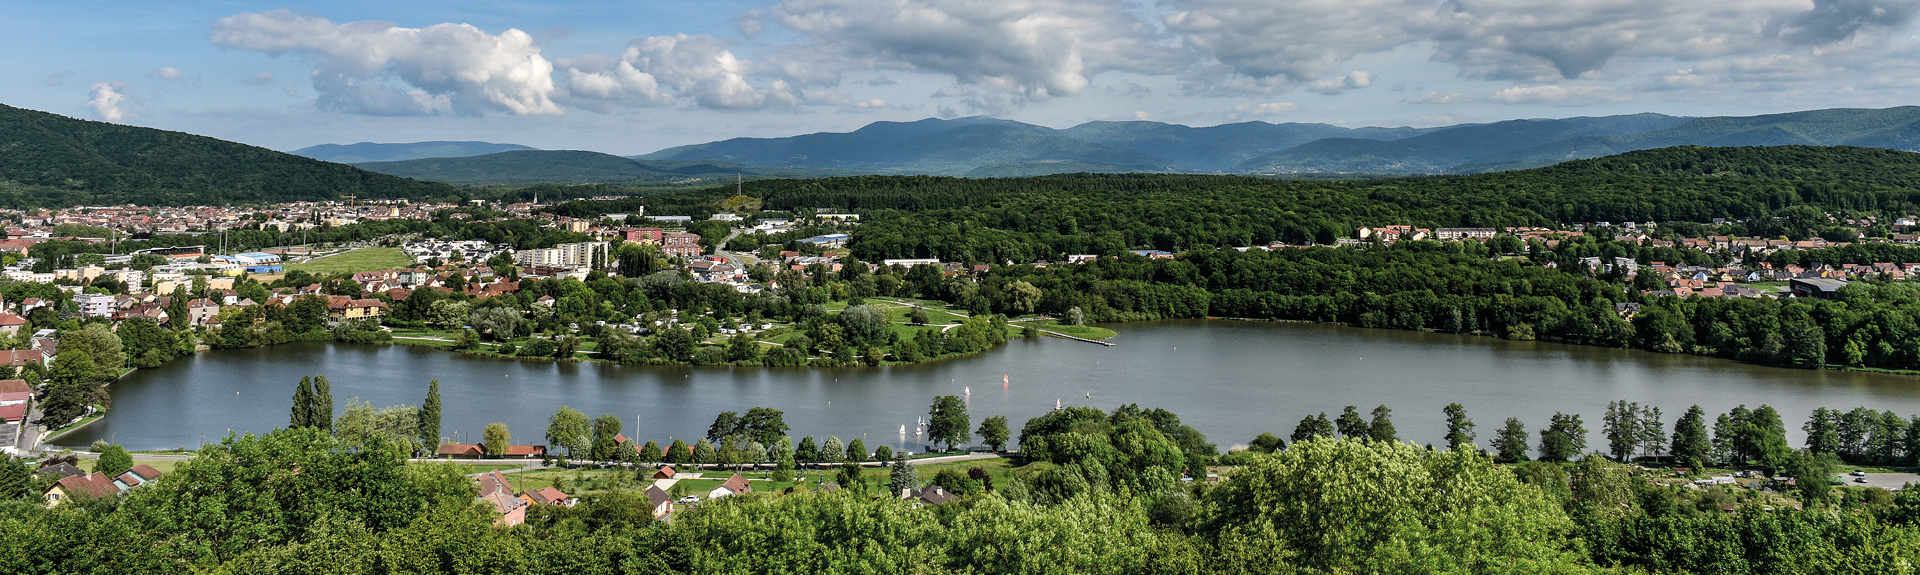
525, 451
460, 450
98, 484
22, 357
732, 486
661, 501
551, 496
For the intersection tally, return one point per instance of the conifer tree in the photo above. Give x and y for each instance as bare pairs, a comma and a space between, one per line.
322, 403
303, 404
430, 417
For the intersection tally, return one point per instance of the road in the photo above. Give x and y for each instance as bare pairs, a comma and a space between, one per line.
743, 259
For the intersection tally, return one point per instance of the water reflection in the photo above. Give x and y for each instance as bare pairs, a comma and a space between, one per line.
1231, 380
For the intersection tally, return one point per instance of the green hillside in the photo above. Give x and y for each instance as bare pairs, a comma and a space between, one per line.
527, 167
52, 160
1022, 219
1895, 128
372, 152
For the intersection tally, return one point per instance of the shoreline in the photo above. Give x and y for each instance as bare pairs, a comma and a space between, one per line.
1554, 340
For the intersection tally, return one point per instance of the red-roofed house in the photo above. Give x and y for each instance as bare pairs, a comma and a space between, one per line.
551, 496
732, 486
526, 451
21, 357
10, 324
461, 450
96, 484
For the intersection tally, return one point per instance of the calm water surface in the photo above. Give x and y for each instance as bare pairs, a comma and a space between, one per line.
1232, 380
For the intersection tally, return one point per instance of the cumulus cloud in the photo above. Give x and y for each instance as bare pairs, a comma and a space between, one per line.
1440, 98
667, 69
1263, 46
1299, 40
1252, 111
1556, 95
1834, 20
106, 100
374, 67
168, 73
1352, 81
1029, 49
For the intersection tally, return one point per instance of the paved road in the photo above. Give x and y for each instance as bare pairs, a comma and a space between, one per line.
743, 259
1887, 481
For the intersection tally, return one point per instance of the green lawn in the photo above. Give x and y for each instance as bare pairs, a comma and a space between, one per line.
1084, 331
360, 260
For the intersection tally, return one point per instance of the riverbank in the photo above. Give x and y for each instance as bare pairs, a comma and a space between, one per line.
1560, 341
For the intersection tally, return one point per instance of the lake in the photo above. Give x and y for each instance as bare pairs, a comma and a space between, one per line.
1230, 379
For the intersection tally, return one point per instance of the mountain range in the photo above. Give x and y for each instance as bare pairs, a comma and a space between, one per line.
372, 152
993, 147
527, 167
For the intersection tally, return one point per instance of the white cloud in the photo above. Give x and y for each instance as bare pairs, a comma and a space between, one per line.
1252, 111
1029, 49
106, 99
260, 79
1264, 47
1352, 81
1556, 95
871, 104
667, 69
168, 73
1834, 20
374, 67
1441, 98
1300, 40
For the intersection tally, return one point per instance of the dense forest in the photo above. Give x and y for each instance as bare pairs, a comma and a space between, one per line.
1093, 492
56, 161
1046, 218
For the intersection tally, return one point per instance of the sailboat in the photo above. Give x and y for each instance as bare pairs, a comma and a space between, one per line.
903, 430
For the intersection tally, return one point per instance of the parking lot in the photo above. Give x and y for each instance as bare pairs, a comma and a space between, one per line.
1888, 481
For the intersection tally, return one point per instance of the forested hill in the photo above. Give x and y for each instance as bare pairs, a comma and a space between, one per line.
52, 160
1098, 213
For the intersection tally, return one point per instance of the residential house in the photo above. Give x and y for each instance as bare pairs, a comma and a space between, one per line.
662, 501
348, 309
932, 495
525, 451
551, 496
497, 493
22, 357
10, 324
98, 484
460, 450
201, 310
732, 486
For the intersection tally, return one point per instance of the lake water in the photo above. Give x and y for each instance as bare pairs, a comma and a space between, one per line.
1232, 380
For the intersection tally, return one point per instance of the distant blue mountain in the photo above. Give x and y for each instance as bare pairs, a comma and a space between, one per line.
371, 152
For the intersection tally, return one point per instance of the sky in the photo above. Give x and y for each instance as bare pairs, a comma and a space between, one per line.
631, 77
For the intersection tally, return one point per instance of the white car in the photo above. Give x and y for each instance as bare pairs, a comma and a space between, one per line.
1858, 473
690, 499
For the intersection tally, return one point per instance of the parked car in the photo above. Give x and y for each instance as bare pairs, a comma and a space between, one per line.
1858, 473
1859, 480
690, 499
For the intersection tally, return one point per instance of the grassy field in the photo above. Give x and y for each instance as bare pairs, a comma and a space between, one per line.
360, 260
1085, 331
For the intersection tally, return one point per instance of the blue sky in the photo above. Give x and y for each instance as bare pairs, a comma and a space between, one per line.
634, 77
